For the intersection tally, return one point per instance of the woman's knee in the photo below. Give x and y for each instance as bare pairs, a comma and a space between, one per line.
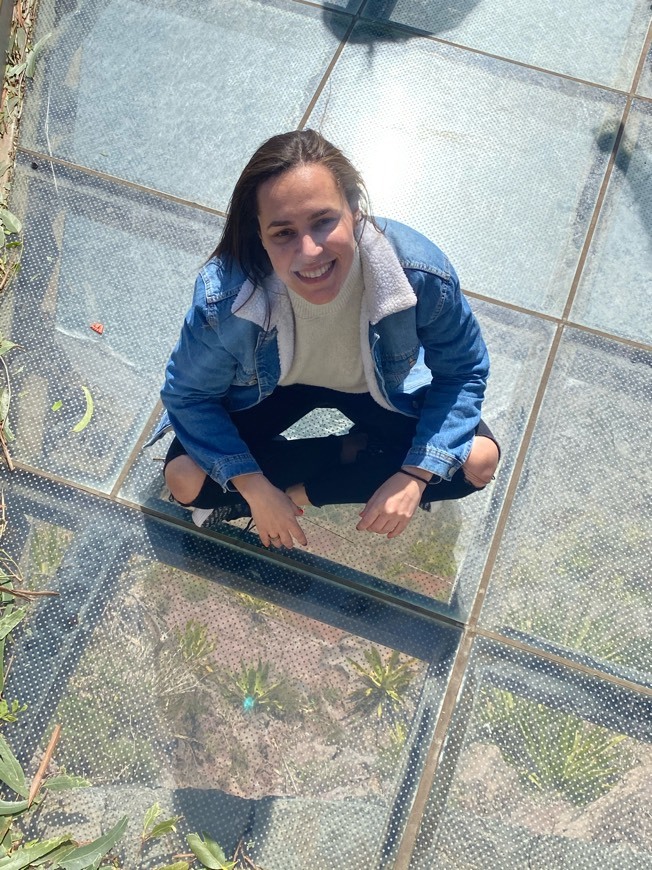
184, 479
482, 461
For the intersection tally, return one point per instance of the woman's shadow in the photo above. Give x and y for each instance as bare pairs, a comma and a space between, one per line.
428, 17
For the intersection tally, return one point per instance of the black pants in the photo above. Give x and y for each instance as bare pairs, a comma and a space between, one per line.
315, 462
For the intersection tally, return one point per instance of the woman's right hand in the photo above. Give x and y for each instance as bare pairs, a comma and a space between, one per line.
273, 512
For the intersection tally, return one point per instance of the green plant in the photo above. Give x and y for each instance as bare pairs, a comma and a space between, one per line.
9, 712
195, 646
209, 853
554, 751
258, 606
250, 688
383, 684
47, 546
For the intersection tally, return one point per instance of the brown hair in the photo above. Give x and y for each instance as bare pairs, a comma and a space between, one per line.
240, 239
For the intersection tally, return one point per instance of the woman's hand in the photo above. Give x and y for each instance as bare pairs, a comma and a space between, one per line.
390, 508
273, 512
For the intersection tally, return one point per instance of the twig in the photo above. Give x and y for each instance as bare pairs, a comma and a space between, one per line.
43, 766
47, 138
7, 669
5, 449
3, 441
3, 514
285, 765
28, 594
241, 855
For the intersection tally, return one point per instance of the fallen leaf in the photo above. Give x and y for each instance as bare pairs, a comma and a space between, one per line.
86, 419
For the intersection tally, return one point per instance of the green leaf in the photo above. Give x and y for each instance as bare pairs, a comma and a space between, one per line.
6, 345
85, 856
63, 781
11, 772
150, 817
5, 398
57, 405
180, 865
33, 54
9, 621
2, 665
55, 856
10, 808
86, 419
15, 70
169, 826
26, 857
209, 852
20, 39
9, 221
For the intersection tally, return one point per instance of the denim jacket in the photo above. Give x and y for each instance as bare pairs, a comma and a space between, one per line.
425, 356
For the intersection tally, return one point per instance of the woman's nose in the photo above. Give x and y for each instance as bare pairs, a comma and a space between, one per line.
310, 245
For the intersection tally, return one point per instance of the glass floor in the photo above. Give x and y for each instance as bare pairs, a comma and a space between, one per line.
516, 623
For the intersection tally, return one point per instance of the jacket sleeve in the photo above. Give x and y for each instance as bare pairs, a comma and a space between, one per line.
197, 377
457, 357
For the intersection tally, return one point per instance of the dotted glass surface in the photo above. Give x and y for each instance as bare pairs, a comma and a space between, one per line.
232, 692
98, 253
191, 117
616, 283
598, 41
439, 557
543, 768
574, 565
645, 84
498, 164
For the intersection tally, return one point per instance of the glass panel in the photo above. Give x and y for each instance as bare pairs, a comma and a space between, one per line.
441, 553
126, 87
543, 767
95, 253
616, 284
645, 84
271, 714
598, 41
574, 565
497, 164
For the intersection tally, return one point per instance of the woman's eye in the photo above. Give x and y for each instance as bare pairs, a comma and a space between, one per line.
322, 222
283, 234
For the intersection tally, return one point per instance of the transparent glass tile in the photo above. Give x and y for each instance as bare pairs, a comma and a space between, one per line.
573, 569
125, 88
226, 688
645, 84
351, 6
95, 253
499, 165
598, 41
544, 768
438, 560
616, 284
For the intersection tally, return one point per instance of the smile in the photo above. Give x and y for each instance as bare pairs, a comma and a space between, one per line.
318, 272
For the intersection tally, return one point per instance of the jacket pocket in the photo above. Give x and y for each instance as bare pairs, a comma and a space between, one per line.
396, 368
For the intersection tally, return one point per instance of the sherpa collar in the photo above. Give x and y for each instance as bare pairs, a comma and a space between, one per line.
387, 290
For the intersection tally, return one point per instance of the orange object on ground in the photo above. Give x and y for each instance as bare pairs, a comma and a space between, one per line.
97, 327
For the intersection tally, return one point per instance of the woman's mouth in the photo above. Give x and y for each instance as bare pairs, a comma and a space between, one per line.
317, 273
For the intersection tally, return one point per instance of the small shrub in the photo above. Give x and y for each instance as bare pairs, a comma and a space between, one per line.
383, 685
554, 751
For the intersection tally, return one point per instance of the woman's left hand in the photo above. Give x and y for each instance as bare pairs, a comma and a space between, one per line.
390, 508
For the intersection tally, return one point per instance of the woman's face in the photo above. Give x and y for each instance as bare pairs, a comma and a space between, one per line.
306, 227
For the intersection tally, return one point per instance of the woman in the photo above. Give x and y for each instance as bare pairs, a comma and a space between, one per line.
308, 303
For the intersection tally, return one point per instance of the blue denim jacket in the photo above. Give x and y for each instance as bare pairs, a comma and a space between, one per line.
425, 358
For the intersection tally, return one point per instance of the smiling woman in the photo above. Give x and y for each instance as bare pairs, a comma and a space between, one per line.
309, 302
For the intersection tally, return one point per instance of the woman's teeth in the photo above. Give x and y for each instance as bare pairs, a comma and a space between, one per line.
316, 273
